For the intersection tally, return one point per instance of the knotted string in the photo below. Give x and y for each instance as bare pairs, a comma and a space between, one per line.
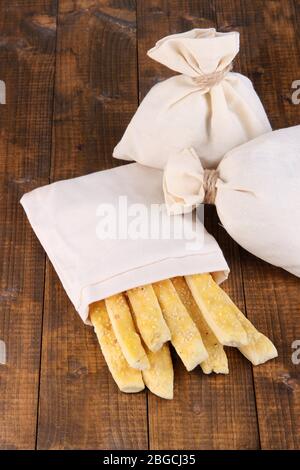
210, 178
209, 80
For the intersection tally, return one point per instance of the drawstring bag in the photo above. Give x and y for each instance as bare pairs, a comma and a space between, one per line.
207, 107
256, 190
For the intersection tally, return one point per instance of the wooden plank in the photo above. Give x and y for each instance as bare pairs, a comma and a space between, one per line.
272, 60
27, 51
208, 412
95, 93
272, 299
272, 296
297, 23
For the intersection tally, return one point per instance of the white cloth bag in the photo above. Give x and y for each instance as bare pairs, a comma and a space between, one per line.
257, 194
67, 217
207, 107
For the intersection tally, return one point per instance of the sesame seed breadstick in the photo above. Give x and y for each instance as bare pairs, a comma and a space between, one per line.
160, 377
129, 380
185, 336
218, 310
260, 349
148, 316
217, 359
124, 329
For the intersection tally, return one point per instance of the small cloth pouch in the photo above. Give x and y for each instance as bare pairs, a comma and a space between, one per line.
207, 107
256, 190
95, 233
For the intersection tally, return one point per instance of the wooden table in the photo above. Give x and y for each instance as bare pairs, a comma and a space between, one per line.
75, 71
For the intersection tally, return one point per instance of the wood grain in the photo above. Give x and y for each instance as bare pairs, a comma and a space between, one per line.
27, 51
208, 412
272, 295
95, 92
74, 73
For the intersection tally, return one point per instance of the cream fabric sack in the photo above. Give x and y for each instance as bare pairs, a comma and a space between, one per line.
208, 107
256, 190
93, 256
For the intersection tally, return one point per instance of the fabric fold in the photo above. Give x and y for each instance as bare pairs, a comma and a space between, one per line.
207, 107
257, 194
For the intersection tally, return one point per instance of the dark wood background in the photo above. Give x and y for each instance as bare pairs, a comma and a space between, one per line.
75, 71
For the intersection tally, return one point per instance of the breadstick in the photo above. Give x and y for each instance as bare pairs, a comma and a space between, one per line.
148, 316
124, 329
217, 359
160, 377
185, 336
260, 349
128, 380
218, 310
